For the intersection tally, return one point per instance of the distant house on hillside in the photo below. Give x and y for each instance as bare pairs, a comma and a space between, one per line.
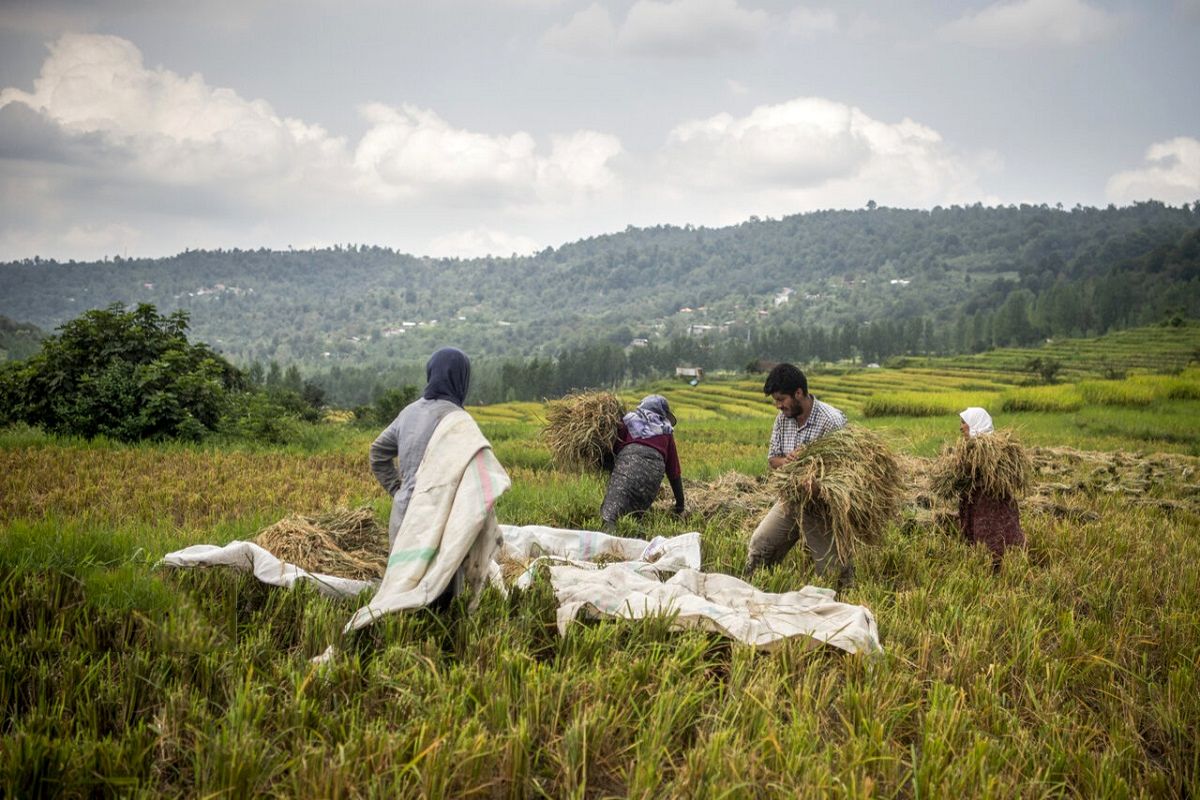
689, 372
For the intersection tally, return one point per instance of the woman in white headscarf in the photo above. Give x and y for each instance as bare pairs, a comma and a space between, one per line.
645, 453
993, 521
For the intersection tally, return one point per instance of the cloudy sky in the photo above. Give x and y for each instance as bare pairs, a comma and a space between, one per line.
463, 127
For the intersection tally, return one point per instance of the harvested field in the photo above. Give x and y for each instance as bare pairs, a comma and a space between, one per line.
1070, 671
731, 493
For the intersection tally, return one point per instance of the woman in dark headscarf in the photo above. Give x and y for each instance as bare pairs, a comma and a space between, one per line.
645, 452
403, 443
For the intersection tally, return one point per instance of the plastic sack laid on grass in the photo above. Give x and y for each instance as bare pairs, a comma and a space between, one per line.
714, 602
528, 546
523, 545
249, 557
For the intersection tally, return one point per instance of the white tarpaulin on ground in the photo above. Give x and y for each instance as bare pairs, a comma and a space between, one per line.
249, 557
537, 544
527, 544
714, 602
626, 589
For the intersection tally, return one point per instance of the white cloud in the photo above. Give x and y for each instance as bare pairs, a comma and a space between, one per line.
666, 28
478, 242
411, 152
173, 128
796, 143
1171, 175
182, 131
811, 22
736, 87
1023, 23
105, 153
816, 153
589, 32
579, 163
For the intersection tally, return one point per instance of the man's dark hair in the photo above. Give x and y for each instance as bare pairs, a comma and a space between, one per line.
786, 378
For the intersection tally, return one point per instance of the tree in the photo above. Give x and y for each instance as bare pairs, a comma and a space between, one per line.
1045, 368
389, 404
126, 374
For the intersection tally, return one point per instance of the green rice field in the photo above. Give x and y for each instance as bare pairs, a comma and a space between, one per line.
1073, 671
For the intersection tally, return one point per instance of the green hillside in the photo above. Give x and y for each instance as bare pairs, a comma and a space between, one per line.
874, 283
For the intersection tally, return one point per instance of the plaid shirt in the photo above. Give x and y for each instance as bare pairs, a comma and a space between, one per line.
786, 436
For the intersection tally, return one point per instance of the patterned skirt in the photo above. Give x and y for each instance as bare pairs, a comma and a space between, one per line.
636, 476
991, 521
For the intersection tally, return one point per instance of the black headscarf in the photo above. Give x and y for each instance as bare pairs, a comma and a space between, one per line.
449, 376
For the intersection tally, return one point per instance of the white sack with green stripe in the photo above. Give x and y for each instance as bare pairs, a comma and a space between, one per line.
449, 523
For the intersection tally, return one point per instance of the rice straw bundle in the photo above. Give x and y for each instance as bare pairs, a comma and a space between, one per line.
729, 493
581, 429
995, 464
348, 543
853, 477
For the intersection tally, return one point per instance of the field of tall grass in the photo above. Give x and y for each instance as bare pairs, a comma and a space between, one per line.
1073, 671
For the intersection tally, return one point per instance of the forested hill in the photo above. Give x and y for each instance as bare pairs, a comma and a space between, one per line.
950, 279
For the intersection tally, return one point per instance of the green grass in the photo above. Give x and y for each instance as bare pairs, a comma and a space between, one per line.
922, 404
1074, 671
1116, 393
1042, 398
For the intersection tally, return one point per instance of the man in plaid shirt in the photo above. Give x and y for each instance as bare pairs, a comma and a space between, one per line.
802, 419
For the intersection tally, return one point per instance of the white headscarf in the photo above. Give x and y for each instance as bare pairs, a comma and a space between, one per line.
978, 421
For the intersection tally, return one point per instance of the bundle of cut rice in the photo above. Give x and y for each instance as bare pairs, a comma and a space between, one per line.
348, 543
730, 493
993, 464
853, 477
581, 429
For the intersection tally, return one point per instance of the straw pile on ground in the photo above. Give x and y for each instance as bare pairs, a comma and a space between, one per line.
731, 493
995, 465
854, 476
581, 429
348, 543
